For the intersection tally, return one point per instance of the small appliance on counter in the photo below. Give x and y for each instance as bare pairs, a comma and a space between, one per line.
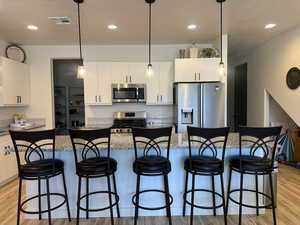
20, 122
128, 93
124, 121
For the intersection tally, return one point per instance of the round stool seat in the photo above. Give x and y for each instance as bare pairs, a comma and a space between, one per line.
250, 163
203, 164
41, 168
152, 165
97, 166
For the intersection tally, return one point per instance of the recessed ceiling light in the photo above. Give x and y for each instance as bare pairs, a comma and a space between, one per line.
270, 26
192, 26
112, 26
32, 27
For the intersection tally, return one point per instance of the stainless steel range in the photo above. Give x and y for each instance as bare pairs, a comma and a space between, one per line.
124, 121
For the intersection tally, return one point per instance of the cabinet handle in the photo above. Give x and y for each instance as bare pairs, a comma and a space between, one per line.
20, 99
195, 76
96, 99
126, 79
130, 79
99, 98
199, 76
157, 98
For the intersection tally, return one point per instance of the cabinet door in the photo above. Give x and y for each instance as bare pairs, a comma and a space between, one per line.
119, 72
186, 70
153, 86
12, 73
209, 69
166, 79
24, 91
137, 73
91, 84
104, 85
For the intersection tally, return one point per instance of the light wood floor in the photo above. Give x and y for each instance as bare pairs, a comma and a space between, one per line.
288, 212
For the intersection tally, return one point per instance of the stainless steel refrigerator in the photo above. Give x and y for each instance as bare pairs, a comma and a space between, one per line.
199, 104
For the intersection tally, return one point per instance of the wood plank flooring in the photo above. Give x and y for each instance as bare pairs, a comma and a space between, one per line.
288, 212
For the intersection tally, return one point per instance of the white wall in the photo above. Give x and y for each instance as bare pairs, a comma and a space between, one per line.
267, 68
39, 58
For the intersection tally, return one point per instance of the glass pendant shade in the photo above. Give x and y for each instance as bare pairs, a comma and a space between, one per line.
222, 69
81, 72
150, 70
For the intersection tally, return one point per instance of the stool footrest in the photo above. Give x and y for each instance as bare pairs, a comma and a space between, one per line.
43, 211
247, 205
203, 207
152, 208
100, 209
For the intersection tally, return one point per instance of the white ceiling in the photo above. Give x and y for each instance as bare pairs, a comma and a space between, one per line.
243, 20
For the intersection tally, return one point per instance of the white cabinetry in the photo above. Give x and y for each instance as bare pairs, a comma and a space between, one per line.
197, 70
160, 85
97, 84
128, 72
14, 83
8, 163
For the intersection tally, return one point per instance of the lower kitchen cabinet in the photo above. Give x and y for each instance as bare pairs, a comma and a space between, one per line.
8, 163
160, 85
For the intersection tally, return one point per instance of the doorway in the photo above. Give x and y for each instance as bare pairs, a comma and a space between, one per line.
240, 96
68, 95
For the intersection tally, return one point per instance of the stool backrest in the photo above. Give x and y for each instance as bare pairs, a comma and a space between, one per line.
152, 141
33, 144
89, 143
207, 141
259, 141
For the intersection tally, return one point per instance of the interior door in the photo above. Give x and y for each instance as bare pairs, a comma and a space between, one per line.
91, 83
240, 96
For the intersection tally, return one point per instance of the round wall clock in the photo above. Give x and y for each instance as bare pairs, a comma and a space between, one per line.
293, 78
16, 53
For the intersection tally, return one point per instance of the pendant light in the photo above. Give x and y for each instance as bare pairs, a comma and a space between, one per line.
221, 65
81, 72
150, 71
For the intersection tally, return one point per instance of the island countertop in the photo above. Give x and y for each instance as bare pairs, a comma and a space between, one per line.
125, 142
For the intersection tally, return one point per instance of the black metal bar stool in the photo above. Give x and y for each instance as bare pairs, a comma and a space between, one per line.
256, 157
152, 162
92, 158
38, 167
207, 161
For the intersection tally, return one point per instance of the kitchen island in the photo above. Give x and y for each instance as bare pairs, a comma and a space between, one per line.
122, 151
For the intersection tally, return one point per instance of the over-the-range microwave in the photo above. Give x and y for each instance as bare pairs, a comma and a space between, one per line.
128, 93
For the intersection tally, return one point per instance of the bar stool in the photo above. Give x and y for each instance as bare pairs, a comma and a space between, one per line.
256, 157
152, 162
207, 161
92, 163
38, 167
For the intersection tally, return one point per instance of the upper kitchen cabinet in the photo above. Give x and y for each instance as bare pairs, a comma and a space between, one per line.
197, 70
160, 85
14, 83
97, 84
124, 72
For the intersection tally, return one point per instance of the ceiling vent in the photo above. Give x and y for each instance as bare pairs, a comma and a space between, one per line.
59, 20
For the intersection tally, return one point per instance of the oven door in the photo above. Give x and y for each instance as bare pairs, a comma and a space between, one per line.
124, 93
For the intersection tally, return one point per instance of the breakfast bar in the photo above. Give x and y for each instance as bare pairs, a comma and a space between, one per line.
122, 151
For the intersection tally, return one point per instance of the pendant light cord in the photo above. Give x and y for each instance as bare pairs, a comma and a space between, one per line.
79, 33
150, 33
221, 30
